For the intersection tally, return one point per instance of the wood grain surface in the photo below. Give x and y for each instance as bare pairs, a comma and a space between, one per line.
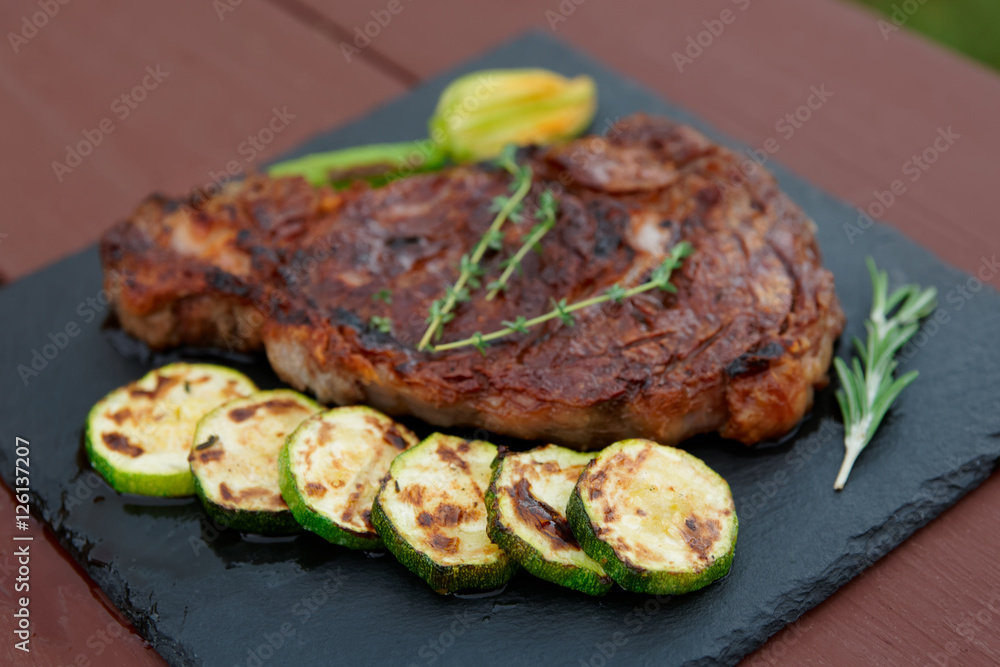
935, 600
221, 81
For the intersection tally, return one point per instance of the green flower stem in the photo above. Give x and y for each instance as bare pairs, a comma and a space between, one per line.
372, 161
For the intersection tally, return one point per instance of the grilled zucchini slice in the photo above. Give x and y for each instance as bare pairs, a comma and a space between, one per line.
138, 436
331, 468
526, 504
234, 458
658, 519
431, 514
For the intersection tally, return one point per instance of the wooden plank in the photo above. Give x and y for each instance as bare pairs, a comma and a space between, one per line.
935, 600
220, 81
225, 77
73, 622
890, 98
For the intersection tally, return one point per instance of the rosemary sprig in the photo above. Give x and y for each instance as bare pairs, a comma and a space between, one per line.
564, 311
546, 216
507, 208
867, 386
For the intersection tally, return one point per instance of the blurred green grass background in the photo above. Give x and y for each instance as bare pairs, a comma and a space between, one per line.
969, 26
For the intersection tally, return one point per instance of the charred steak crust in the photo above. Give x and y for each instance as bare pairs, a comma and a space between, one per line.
206, 271
739, 349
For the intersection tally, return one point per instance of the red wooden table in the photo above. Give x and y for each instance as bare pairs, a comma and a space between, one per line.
165, 94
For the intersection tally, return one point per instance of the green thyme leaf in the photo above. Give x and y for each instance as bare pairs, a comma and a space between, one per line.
616, 293
561, 309
477, 342
383, 324
519, 325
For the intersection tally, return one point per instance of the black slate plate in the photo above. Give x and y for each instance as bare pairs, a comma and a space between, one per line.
204, 596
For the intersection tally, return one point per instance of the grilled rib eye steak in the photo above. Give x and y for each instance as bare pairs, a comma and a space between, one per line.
277, 263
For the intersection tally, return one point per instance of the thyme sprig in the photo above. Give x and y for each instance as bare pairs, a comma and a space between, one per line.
660, 279
470, 273
546, 216
867, 386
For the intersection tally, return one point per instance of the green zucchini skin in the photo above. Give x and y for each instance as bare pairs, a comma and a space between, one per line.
219, 458
360, 426
175, 485
249, 521
504, 530
306, 517
495, 567
179, 391
631, 576
443, 579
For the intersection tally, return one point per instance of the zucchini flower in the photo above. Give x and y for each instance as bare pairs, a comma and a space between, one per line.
481, 112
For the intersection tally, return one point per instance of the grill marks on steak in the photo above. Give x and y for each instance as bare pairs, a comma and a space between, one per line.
738, 349
416, 258
196, 271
